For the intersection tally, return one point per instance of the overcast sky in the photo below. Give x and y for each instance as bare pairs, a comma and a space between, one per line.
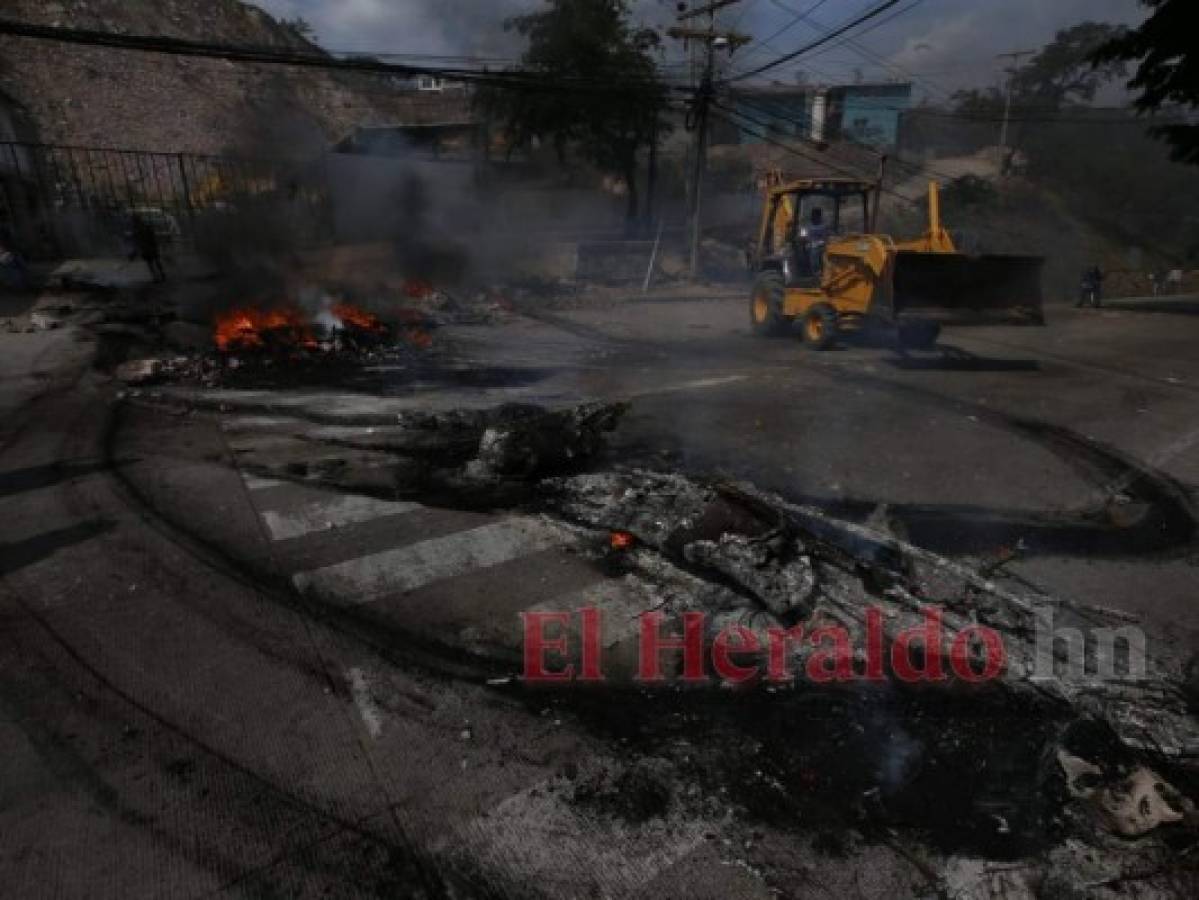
945, 43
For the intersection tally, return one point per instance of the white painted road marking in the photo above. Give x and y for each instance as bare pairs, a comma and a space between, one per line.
699, 384
369, 578
621, 604
372, 717
335, 512
254, 483
250, 423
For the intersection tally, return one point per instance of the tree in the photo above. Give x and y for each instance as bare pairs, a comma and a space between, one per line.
300, 27
597, 88
1064, 72
1168, 71
1062, 75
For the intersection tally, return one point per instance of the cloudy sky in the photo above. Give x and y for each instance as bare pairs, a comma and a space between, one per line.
945, 44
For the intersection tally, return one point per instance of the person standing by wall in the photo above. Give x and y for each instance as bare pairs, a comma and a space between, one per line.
1090, 288
145, 245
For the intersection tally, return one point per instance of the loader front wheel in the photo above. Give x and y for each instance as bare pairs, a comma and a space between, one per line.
820, 327
766, 305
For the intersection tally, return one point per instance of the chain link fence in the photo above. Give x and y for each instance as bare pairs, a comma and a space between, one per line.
63, 201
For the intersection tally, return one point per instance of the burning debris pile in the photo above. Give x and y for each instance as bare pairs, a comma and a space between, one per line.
338, 328
249, 344
317, 332
771, 564
1094, 769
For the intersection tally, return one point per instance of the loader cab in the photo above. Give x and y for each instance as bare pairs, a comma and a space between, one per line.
795, 237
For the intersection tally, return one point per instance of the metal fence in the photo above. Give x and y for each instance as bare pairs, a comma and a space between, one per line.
68, 200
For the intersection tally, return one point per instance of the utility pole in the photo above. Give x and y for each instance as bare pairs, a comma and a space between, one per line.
651, 188
712, 40
1014, 56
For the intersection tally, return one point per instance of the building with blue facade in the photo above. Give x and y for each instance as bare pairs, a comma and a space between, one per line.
863, 113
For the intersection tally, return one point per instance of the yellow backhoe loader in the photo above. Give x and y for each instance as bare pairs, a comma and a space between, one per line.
818, 261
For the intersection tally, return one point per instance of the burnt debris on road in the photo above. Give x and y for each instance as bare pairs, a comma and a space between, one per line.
598, 453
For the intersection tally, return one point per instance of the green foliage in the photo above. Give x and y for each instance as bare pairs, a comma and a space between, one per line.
597, 88
300, 27
1103, 167
982, 104
1168, 70
1117, 177
1064, 72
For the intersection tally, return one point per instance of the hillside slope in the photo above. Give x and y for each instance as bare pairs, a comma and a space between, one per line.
101, 97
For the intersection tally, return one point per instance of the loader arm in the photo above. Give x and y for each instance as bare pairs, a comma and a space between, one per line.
936, 239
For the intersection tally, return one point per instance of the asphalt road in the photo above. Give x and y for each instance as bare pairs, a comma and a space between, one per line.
183, 714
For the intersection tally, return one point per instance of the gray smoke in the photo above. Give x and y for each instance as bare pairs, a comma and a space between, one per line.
436, 27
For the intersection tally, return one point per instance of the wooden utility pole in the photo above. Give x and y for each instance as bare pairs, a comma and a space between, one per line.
651, 188
712, 40
1014, 56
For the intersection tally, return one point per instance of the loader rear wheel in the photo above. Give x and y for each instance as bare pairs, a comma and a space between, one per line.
820, 327
766, 305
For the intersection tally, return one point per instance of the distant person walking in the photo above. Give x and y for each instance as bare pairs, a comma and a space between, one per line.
1090, 291
145, 245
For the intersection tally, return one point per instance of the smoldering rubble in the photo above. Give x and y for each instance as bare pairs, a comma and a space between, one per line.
778, 564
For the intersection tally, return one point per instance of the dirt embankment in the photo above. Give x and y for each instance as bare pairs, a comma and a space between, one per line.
101, 97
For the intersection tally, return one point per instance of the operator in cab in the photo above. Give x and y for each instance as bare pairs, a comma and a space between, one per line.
814, 237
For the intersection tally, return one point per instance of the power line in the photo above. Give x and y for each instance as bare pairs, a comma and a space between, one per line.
511, 79
798, 17
805, 123
915, 204
819, 42
765, 135
879, 24
1038, 113
864, 52
913, 169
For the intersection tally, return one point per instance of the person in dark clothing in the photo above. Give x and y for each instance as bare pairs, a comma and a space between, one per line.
145, 245
816, 234
1090, 290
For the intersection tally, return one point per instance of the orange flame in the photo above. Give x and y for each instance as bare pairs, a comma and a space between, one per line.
358, 318
621, 540
244, 328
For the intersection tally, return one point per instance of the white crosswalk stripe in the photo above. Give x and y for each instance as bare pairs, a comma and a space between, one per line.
254, 483
524, 837
370, 578
620, 604
255, 423
328, 514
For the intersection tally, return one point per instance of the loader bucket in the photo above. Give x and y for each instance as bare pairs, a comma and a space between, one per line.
960, 289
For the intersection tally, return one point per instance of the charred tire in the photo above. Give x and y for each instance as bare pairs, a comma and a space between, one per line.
766, 305
820, 327
919, 335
